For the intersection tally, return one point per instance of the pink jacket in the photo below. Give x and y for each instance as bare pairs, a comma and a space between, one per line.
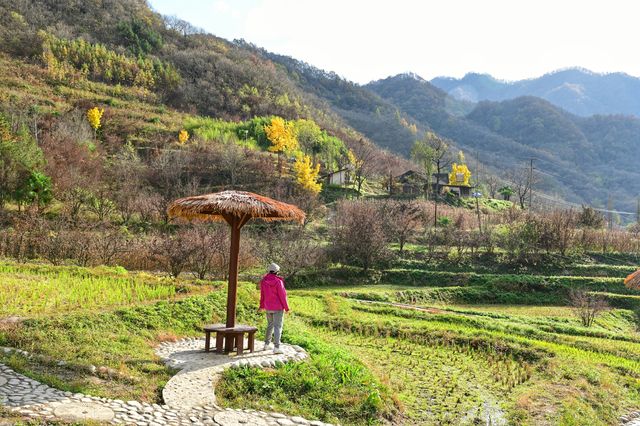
273, 296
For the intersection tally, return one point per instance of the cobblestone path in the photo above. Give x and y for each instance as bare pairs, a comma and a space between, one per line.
189, 397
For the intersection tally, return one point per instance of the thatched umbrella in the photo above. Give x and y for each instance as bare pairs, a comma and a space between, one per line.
236, 208
633, 280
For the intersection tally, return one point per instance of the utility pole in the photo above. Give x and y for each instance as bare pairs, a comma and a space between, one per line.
610, 212
478, 212
530, 183
638, 211
477, 169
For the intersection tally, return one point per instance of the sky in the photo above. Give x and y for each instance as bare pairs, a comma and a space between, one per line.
365, 40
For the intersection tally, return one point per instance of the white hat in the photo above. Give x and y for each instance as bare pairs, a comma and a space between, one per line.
274, 268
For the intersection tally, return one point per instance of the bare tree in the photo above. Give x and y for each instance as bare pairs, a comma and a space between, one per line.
173, 252
292, 247
54, 241
390, 166
357, 234
522, 182
75, 199
493, 184
167, 174
107, 245
442, 159
364, 162
232, 161
210, 246
562, 228
402, 220
587, 306
100, 204
126, 171
183, 27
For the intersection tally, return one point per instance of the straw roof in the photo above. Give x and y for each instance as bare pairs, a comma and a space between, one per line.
234, 203
633, 280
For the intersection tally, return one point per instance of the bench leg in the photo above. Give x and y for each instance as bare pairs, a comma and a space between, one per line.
219, 341
207, 341
240, 343
229, 343
251, 340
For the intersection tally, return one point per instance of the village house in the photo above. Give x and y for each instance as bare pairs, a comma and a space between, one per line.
413, 182
340, 177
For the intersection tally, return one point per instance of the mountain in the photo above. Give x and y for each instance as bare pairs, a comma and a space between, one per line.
215, 77
576, 90
499, 151
570, 152
582, 159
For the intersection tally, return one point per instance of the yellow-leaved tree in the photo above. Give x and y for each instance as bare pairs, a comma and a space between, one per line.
307, 174
460, 175
94, 116
282, 135
183, 136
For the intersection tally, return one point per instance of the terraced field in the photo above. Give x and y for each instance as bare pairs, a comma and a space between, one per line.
488, 348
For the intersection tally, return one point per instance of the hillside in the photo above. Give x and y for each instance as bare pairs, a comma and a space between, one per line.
576, 90
167, 95
212, 76
602, 149
394, 111
179, 69
363, 109
428, 105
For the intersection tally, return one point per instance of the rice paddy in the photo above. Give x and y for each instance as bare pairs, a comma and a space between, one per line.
396, 353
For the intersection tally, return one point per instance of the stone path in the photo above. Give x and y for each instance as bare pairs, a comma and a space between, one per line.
631, 419
189, 396
193, 385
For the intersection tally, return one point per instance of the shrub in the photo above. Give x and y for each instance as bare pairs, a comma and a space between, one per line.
401, 220
357, 234
590, 218
173, 252
293, 248
587, 306
210, 253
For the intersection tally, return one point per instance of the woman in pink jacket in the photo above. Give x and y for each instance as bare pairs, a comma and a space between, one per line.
273, 299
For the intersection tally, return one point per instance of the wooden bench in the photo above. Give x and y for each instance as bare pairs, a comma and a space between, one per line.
228, 338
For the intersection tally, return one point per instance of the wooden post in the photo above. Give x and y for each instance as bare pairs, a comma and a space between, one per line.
232, 290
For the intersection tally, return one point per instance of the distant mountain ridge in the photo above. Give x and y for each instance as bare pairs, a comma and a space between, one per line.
581, 159
577, 90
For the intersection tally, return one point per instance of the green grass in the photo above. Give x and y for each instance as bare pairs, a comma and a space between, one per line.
35, 290
486, 204
333, 385
122, 339
552, 265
